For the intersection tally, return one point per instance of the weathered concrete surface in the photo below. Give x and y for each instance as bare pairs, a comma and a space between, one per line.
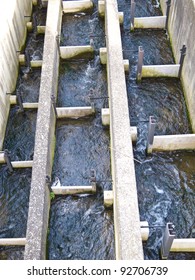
183, 245
108, 198
39, 204
36, 63
174, 142
12, 37
101, 11
69, 52
155, 71
77, 6
103, 59
150, 22
69, 190
74, 112
22, 164
128, 243
12, 241
144, 230
181, 31
105, 113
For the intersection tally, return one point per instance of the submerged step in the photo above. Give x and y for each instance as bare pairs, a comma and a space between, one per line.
15, 164
70, 7
77, 6
174, 142
39, 29
185, 245
69, 52
157, 71
62, 112
33, 63
157, 22
12, 241
68, 190
75, 112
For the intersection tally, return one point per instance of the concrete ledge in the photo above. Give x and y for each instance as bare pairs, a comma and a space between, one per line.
22, 164
105, 113
144, 230
108, 198
149, 22
40, 28
12, 241
103, 59
183, 245
39, 202
76, 52
101, 11
62, 112
17, 164
77, 6
69, 190
128, 242
2, 159
74, 112
154, 71
174, 142
101, 8
33, 63
36, 63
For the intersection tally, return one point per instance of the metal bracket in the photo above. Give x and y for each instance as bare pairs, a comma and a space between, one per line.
8, 160
167, 14
27, 58
167, 241
58, 37
34, 21
140, 62
151, 129
19, 101
132, 15
183, 54
53, 100
48, 182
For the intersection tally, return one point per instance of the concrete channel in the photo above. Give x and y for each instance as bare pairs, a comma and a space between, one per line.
130, 232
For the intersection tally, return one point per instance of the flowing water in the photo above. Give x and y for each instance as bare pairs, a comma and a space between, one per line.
19, 140
80, 227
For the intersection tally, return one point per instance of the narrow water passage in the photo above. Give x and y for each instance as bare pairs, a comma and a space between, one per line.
85, 228
165, 181
19, 140
80, 227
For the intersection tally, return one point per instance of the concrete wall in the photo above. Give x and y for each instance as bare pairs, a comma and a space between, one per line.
12, 38
39, 204
181, 31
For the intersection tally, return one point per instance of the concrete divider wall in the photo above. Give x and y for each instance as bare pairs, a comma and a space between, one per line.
181, 31
39, 205
12, 37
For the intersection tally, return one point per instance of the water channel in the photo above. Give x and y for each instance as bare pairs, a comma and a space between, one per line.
80, 227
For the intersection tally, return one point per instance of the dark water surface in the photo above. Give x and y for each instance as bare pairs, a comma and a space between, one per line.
79, 226
19, 140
